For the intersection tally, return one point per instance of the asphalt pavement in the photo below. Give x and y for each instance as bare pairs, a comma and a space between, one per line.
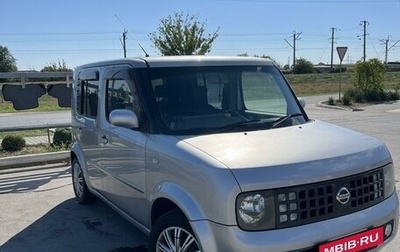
33, 119
38, 212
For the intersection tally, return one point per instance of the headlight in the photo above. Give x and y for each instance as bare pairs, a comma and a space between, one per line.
251, 209
388, 174
255, 211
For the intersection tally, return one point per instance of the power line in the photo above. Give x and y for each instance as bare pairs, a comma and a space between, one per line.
124, 37
364, 24
315, 1
387, 48
296, 36
57, 33
332, 43
134, 37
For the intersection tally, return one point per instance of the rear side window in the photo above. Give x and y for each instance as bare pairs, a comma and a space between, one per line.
87, 94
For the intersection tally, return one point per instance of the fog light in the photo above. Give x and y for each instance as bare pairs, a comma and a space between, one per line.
282, 208
282, 197
388, 230
293, 206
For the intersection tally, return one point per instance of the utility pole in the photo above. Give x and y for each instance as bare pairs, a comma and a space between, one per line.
124, 37
332, 44
386, 43
124, 41
296, 36
387, 48
364, 24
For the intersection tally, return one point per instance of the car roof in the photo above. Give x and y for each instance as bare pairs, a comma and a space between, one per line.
180, 61
183, 61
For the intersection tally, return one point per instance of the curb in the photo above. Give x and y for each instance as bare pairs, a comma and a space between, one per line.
322, 105
34, 160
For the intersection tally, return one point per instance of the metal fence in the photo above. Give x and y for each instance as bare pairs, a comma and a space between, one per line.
23, 80
23, 89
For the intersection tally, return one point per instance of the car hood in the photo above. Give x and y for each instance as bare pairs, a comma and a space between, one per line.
298, 154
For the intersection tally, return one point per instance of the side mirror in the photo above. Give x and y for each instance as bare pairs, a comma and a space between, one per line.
302, 102
124, 118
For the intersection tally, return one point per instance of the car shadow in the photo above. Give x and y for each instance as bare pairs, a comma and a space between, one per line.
19, 182
70, 226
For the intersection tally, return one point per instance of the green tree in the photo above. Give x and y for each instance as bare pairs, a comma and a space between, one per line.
261, 56
7, 61
60, 66
270, 58
182, 35
286, 67
368, 79
303, 66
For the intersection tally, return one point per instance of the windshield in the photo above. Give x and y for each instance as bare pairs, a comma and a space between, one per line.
222, 99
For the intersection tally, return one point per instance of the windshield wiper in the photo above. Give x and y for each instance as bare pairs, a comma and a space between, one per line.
241, 124
257, 123
283, 119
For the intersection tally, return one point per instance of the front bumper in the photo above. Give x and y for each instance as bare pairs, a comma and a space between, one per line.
216, 237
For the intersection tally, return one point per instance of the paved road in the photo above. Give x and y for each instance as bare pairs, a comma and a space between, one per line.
14, 120
38, 212
380, 121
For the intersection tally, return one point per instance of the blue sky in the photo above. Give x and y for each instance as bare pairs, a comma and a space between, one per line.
81, 31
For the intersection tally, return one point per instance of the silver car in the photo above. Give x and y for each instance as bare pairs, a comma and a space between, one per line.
217, 154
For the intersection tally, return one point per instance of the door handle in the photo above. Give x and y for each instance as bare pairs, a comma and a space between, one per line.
80, 119
103, 140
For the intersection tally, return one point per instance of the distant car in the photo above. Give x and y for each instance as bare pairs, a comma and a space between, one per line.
218, 154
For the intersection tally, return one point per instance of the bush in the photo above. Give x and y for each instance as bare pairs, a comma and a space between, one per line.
331, 101
393, 95
375, 95
368, 79
303, 66
372, 96
13, 143
337, 70
354, 94
346, 100
62, 137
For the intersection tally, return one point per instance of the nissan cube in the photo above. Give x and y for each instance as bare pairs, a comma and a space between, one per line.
217, 154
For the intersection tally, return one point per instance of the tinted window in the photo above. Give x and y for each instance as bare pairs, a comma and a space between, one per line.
87, 98
198, 99
119, 95
121, 92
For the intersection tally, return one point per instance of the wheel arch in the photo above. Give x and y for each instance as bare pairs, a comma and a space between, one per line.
162, 206
76, 153
171, 197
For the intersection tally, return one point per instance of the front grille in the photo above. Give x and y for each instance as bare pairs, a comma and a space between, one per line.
310, 203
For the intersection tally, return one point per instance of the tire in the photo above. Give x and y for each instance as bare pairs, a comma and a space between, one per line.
82, 193
166, 230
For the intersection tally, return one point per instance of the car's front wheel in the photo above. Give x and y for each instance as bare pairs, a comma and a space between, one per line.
82, 193
172, 233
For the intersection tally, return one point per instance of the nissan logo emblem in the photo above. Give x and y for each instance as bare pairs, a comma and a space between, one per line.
343, 195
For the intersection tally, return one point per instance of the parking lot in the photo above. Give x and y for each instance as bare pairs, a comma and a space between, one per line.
38, 211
